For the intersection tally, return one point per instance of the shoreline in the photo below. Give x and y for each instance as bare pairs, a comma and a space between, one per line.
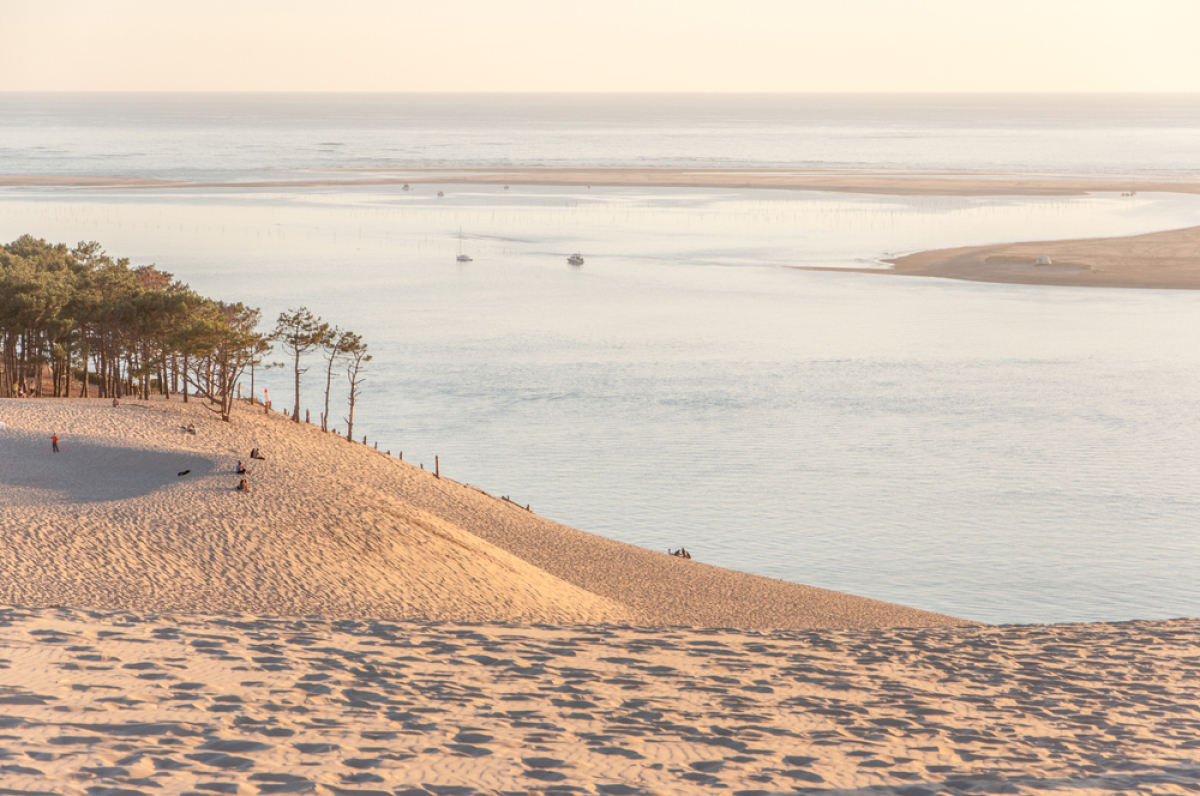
899, 183
337, 529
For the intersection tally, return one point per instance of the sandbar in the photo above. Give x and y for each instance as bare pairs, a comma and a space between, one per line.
891, 182
1164, 260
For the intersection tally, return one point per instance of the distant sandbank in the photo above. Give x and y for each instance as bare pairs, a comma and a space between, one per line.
900, 183
1168, 259
21, 180
1157, 260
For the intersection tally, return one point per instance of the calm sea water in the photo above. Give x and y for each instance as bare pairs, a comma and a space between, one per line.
1003, 453
241, 136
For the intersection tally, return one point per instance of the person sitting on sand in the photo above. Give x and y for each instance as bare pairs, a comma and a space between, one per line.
191, 429
254, 454
243, 486
241, 468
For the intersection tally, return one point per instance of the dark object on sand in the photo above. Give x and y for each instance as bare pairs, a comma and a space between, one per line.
243, 486
185, 472
241, 468
254, 454
681, 553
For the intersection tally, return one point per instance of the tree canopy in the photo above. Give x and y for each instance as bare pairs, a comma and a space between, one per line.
78, 322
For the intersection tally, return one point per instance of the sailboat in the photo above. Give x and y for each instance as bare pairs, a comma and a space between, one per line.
462, 258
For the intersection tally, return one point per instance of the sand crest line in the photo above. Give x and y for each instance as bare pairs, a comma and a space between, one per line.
331, 528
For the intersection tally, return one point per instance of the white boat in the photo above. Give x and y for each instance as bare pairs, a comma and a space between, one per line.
575, 259
462, 258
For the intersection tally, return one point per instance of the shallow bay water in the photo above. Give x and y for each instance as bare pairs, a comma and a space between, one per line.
1003, 453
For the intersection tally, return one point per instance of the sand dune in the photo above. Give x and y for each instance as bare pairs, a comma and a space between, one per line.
332, 528
121, 704
357, 627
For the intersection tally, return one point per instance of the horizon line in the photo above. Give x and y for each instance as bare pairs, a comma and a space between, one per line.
601, 93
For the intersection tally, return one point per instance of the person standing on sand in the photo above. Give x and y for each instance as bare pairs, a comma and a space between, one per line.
54, 443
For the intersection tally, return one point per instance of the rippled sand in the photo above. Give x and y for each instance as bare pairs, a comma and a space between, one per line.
133, 703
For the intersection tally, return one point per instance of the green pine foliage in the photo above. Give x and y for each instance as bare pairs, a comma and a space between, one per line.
76, 322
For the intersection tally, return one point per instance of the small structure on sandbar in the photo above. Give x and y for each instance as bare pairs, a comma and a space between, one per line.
1043, 260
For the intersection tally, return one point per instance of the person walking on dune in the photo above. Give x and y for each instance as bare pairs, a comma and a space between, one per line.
54, 443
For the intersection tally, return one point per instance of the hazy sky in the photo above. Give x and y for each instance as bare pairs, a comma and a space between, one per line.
594, 45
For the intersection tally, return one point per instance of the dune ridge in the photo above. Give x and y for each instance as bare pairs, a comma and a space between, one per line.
331, 528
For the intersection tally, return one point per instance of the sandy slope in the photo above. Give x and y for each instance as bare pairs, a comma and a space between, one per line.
332, 528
